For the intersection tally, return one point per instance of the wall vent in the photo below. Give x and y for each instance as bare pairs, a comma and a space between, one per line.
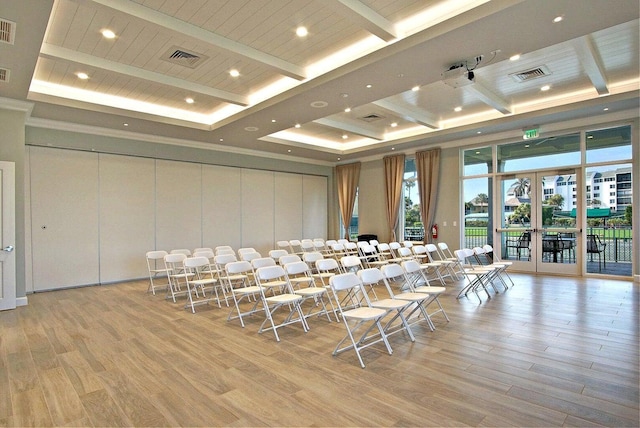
7, 31
179, 56
533, 73
4, 75
371, 117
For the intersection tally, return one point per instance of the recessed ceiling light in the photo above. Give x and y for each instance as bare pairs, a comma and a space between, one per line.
369, 86
457, 109
338, 158
83, 76
301, 31
125, 124
345, 136
347, 110
558, 18
605, 109
415, 88
590, 137
298, 125
394, 124
514, 57
189, 100
251, 128
108, 34
477, 152
393, 148
479, 132
526, 146
288, 150
234, 73
221, 139
545, 88
319, 104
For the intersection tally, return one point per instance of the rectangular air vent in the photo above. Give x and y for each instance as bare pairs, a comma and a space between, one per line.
179, 56
371, 117
7, 31
533, 73
4, 74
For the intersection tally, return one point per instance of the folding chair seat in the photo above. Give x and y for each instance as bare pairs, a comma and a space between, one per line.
476, 277
237, 276
372, 278
201, 281
287, 299
276, 254
418, 283
370, 256
360, 319
157, 270
174, 264
303, 284
384, 250
447, 269
394, 276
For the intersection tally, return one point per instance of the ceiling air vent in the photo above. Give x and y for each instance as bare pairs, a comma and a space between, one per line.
7, 31
371, 117
534, 73
183, 57
4, 74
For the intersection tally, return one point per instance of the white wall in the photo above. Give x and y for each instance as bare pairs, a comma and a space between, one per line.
93, 216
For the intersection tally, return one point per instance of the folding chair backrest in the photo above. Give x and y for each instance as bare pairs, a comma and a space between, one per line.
195, 262
250, 255
184, 251
297, 268
351, 262
289, 258
239, 267
269, 273
262, 262
326, 265
276, 254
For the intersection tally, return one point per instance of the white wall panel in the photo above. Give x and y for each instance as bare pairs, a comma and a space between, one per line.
314, 201
258, 210
288, 207
221, 206
127, 216
64, 218
178, 205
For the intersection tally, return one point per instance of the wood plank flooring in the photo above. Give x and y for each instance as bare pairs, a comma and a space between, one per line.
551, 351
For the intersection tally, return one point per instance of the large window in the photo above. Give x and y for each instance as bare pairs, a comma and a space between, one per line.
413, 229
544, 153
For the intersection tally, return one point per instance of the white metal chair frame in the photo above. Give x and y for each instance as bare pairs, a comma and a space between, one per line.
156, 271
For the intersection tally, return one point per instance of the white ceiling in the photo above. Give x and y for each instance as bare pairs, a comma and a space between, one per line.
393, 45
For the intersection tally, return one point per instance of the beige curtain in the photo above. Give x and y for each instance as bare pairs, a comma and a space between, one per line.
393, 175
347, 177
428, 168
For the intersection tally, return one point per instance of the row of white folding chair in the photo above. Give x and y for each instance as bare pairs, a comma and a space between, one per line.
477, 277
485, 256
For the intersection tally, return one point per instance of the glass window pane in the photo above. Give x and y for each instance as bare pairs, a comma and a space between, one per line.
413, 228
612, 144
560, 151
477, 161
477, 211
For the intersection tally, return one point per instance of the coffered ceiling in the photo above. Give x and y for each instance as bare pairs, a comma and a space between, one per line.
368, 77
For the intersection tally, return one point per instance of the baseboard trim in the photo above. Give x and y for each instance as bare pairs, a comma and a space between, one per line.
636, 279
22, 301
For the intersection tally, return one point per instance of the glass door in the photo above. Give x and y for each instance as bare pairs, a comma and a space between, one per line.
537, 231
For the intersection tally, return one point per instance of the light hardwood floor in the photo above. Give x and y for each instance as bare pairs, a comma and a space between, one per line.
550, 351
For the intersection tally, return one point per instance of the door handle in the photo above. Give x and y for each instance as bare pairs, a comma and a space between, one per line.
8, 248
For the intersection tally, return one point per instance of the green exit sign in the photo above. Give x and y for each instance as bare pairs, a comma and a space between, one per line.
530, 133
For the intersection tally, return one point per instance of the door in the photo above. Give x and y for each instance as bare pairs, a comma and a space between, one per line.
7, 236
537, 231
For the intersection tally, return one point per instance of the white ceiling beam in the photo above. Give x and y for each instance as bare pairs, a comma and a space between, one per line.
485, 95
592, 63
237, 49
57, 52
366, 18
346, 127
410, 113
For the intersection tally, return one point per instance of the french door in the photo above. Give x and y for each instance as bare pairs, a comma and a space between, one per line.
537, 231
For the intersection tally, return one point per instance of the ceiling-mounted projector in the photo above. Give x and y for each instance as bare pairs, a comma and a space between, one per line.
458, 76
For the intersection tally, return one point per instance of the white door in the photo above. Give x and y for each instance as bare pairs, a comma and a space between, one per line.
7, 236
535, 233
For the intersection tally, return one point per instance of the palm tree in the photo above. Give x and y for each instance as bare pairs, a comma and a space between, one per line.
522, 187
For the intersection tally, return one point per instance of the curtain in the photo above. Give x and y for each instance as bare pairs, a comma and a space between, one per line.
428, 169
393, 175
347, 177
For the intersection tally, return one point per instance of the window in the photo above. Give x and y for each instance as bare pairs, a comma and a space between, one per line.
560, 151
611, 144
413, 229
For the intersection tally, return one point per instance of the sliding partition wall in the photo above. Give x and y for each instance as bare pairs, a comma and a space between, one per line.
93, 216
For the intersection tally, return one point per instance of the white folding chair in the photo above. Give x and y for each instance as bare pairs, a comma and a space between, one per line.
287, 299
476, 277
289, 258
276, 254
184, 251
157, 270
351, 263
174, 264
394, 277
493, 258
358, 318
201, 280
303, 284
372, 278
496, 269
237, 276
418, 282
